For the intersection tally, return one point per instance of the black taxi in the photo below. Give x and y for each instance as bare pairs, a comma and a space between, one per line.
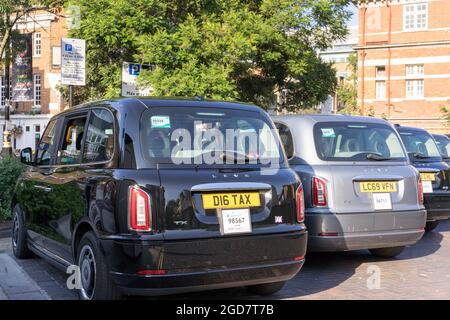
158, 196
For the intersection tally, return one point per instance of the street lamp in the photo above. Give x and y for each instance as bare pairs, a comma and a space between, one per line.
7, 148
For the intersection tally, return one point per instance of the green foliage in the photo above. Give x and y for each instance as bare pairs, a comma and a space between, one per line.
10, 170
347, 91
445, 111
222, 49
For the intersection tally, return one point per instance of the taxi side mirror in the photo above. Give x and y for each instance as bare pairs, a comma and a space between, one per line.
26, 156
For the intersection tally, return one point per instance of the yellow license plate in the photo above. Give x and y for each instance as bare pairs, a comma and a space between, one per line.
428, 176
378, 186
231, 200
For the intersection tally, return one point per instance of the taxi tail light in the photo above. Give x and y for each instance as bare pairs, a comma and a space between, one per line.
319, 192
300, 195
139, 211
420, 187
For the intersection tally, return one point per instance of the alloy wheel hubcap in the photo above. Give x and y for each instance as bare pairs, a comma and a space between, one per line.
87, 272
15, 232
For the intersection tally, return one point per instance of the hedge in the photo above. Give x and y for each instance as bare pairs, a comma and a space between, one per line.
10, 170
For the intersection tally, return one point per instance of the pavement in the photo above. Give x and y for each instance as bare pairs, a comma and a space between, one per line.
422, 271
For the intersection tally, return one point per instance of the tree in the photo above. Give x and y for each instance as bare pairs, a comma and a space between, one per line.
223, 49
347, 91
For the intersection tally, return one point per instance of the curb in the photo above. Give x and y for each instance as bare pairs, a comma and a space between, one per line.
5, 225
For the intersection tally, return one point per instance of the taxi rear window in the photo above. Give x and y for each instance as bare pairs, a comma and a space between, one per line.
190, 135
336, 141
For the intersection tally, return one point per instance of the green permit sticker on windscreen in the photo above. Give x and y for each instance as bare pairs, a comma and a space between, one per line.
328, 133
160, 122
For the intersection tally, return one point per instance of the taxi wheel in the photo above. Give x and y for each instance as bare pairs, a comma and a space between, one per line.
387, 252
19, 236
95, 282
431, 225
266, 289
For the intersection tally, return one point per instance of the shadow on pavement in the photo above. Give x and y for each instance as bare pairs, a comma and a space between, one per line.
323, 271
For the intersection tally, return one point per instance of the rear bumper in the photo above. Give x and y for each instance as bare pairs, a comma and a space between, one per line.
437, 205
356, 231
206, 280
204, 264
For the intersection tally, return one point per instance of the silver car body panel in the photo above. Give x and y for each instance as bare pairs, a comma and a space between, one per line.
349, 213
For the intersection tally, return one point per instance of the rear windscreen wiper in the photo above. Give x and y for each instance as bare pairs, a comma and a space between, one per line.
376, 157
237, 157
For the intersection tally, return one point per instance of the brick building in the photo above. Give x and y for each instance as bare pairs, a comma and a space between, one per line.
31, 117
404, 61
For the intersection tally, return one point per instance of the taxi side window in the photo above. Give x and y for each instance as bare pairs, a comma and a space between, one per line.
99, 142
70, 149
286, 139
46, 148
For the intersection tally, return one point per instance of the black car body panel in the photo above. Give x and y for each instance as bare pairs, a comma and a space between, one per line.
62, 201
436, 202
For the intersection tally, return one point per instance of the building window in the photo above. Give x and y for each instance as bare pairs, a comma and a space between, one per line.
37, 128
2, 91
27, 128
381, 90
37, 44
380, 71
415, 89
415, 70
415, 16
56, 57
37, 90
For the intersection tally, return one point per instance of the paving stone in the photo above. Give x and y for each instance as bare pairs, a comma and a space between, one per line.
2, 295
15, 283
420, 272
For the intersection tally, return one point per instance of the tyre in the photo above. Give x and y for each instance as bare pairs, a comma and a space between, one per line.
19, 235
431, 225
95, 281
387, 252
266, 289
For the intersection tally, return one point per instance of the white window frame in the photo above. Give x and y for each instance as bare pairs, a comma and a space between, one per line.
418, 70
415, 89
37, 44
380, 76
415, 14
37, 90
2, 91
380, 94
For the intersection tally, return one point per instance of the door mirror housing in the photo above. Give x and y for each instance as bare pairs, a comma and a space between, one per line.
26, 156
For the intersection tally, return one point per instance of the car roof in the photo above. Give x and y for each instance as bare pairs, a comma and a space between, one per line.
440, 135
405, 128
316, 118
149, 102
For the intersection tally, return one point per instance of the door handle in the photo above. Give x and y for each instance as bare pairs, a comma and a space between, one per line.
43, 188
48, 172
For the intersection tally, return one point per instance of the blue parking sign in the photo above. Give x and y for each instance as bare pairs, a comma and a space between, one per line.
134, 69
68, 47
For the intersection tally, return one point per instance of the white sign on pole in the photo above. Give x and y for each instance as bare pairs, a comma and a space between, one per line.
327, 105
73, 62
130, 73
